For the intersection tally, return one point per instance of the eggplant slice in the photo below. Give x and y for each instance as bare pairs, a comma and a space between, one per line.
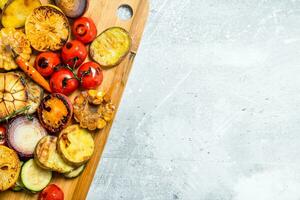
111, 47
72, 8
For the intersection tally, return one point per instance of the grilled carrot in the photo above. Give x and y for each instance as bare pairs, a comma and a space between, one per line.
32, 73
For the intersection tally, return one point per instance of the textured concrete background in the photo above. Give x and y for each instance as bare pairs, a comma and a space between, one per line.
212, 107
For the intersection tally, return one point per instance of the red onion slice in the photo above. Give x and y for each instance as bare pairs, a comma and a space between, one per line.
23, 135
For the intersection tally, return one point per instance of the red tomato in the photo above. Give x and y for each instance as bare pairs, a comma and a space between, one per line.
46, 62
84, 30
63, 81
90, 74
74, 53
2, 135
51, 192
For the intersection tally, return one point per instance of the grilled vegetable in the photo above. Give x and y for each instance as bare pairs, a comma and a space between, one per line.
47, 28
33, 73
13, 93
110, 47
93, 109
9, 167
48, 2
16, 12
47, 156
24, 134
63, 81
12, 39
33, 177
35, 94
51, 192
84, 29
46, 63
18, 94
75, 145
55, 112
72, 8
2, 135
90, 74
76, 172
74, 53
19, 185
3, 3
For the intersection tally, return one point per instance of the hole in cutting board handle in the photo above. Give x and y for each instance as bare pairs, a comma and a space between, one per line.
125, 12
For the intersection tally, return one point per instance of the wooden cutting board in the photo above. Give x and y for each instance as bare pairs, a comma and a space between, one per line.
104, 14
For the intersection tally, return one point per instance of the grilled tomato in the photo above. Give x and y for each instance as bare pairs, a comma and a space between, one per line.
74, 53
84, 30
90, 74
51, 192
2, 135
63, 81
46, 63
55, 112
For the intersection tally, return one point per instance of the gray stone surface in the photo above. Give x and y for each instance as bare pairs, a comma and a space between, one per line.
212, 107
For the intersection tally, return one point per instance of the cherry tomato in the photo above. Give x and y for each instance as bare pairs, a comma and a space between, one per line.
46, 62
2, 135
63, 81
51, 192
74, 53
84, 29
90, 74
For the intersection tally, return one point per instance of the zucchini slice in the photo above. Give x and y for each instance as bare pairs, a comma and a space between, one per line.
75, 145
33, 177
76, 172
110, 47
18, 186
47, 157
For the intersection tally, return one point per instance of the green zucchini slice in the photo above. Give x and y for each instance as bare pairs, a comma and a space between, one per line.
74, 173
33, 177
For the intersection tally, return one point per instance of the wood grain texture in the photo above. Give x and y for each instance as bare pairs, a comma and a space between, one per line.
104, 13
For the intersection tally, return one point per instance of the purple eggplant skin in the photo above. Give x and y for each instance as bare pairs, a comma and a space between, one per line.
73, 8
